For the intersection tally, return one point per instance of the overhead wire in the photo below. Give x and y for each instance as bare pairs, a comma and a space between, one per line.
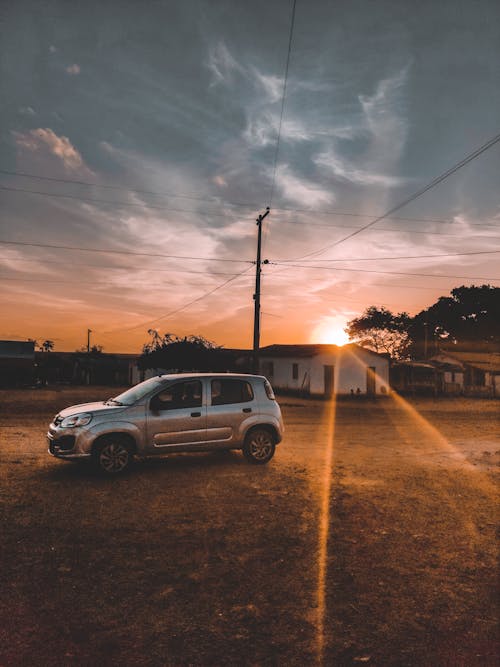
178, 310
385, 229
94, 200
331, 213
436, 181
121, 267
393, 273
124, 252
380, 259
283, 98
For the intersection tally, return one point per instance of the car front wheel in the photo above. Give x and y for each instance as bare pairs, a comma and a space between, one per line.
112, 456
259, 446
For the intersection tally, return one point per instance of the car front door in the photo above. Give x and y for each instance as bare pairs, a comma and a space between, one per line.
177, 417
230, 403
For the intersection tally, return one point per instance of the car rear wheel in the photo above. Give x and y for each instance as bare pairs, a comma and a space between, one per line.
259, 446
112, 456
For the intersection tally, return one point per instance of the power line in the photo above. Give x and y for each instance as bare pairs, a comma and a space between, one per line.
389, 273
59, 281
439, 179
208, 199
222, 273
123, 268
378, 259
178, 310
349, 214
282, 103
70, 181
98, 201
386, 229
125, 252
388, 285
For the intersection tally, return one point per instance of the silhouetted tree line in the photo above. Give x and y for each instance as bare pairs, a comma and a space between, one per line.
468, 318
188, 353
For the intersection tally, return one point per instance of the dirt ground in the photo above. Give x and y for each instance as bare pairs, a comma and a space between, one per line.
370, 538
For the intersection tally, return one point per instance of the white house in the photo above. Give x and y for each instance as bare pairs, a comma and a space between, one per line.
324, 370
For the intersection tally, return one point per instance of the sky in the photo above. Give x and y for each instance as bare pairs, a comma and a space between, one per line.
140, 140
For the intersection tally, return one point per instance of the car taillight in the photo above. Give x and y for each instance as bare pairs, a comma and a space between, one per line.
269, 391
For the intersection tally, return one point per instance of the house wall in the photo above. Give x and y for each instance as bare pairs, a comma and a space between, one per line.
350, 372
282, 375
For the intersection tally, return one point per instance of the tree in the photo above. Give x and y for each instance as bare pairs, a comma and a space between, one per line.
381, 331
188, 353
95, 349
470, 316
47, 346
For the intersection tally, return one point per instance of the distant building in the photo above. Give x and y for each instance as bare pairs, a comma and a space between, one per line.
470, 373
324, 370
17, 363
416, 377
96, 368
450, 374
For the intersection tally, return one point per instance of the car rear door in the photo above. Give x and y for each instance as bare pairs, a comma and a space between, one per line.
231, 402
177, 417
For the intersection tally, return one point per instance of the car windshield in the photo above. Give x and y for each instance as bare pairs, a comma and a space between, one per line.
134, 394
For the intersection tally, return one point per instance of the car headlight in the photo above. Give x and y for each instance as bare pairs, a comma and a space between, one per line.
76, 420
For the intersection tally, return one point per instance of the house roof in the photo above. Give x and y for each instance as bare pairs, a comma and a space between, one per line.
17, 349
414, 364
311, 350
485, 361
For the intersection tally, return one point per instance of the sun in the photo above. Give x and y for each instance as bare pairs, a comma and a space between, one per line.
330, 331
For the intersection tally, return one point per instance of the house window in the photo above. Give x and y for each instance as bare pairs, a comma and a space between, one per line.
295, 371
474, 377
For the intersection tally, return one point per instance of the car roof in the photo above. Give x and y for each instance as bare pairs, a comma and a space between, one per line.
192, 376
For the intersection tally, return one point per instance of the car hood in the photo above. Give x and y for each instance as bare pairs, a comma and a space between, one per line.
90, 407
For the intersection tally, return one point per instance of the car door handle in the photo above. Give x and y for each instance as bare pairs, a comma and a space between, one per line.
247, 409
196, 414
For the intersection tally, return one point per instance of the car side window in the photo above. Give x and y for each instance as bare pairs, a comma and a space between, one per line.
225, 392
179, 395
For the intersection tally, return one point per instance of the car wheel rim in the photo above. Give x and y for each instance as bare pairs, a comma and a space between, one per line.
114, 458
261, 446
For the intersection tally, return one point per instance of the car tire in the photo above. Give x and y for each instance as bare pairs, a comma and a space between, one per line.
259, 446
112, 455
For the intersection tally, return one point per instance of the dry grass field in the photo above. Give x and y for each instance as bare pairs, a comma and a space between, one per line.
370, 538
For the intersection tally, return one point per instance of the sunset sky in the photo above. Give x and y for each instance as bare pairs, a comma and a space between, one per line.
150, 129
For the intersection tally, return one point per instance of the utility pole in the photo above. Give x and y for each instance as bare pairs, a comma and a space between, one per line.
89, 331
256, 296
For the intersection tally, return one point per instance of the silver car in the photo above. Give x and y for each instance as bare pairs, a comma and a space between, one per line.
172, 413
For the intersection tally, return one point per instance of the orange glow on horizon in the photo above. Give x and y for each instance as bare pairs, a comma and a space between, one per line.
331, 332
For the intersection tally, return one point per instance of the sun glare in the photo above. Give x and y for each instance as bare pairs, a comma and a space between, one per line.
331, 332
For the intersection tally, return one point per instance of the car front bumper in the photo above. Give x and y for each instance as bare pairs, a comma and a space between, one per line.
64, 445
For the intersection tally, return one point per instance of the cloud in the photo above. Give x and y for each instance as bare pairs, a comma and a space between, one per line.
271, 86
301, 191
384, 127
262, 129
220, 181
27, 111
345, 171
46, 139
222, 64
73, 69
383, 109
